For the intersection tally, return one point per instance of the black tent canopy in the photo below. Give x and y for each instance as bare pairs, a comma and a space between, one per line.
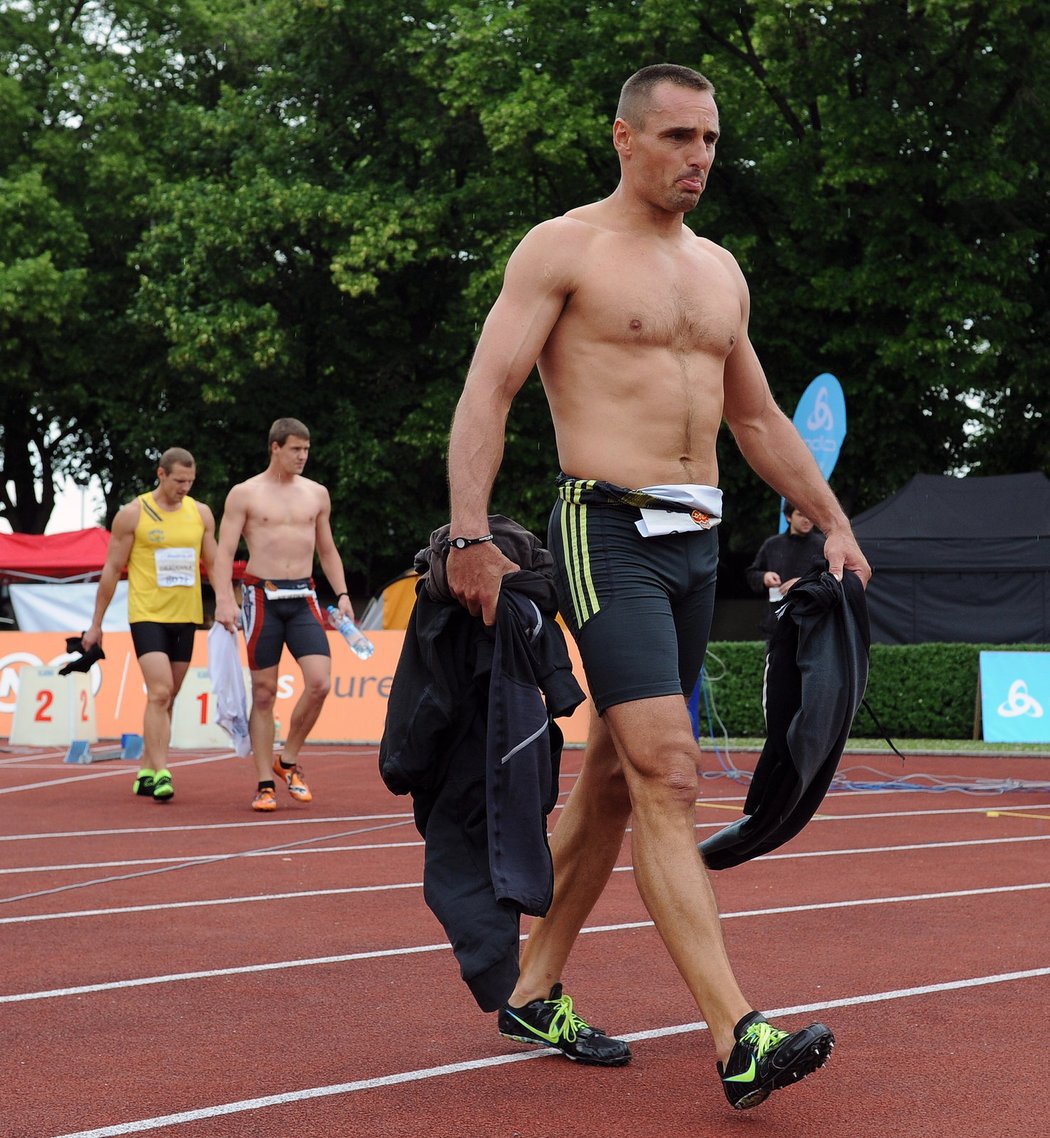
960, 559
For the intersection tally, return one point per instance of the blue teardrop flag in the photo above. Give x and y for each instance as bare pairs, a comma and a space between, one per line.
820, 419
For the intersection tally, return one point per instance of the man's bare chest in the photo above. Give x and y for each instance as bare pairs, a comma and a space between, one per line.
287, 511
683, 304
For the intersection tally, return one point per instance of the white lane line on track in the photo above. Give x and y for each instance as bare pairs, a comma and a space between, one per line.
138, 1126
110, 772
407, 817
114, 768
204, 859
994, 803
210, 903
178, 977
256, 823
216, 859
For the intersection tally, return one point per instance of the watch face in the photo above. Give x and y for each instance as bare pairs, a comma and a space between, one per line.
460, 543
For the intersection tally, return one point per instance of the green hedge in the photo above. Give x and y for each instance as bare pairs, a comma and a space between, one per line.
918, 691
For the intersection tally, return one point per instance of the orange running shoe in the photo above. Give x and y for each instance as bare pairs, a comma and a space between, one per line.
297, 787
265, 800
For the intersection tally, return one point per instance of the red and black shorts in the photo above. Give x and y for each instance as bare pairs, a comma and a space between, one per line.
279, 613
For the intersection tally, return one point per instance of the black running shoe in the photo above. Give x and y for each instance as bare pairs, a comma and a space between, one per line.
766, 1059
553, 1023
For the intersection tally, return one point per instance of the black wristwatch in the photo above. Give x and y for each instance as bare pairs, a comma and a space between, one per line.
463, 542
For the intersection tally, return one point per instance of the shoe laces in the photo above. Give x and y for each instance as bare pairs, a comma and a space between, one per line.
763, 1037
565, 1021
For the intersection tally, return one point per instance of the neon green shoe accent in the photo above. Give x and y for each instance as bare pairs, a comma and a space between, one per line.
763, 1038
555, 1023
565, 1024
143, 783
162, 788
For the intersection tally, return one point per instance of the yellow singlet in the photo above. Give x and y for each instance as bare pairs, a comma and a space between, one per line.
164, 572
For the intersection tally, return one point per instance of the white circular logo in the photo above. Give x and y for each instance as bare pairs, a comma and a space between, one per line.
1019, 701
12, 664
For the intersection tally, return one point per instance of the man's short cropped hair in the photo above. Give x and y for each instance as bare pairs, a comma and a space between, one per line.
789, 509
634, 95
284, 429
175, 456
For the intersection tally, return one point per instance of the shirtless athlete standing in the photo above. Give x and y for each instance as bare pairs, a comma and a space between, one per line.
284, 518
639, 328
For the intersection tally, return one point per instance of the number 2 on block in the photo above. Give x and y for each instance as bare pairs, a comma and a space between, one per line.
45, 698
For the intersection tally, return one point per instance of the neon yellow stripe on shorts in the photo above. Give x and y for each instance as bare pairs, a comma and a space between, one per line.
577, 561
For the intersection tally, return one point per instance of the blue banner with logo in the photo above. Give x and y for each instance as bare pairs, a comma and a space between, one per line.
820, 418
1015, 697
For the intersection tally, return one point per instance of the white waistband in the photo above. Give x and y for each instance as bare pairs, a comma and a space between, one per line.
696, 496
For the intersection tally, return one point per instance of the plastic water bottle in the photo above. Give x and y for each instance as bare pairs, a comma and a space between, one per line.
360, 645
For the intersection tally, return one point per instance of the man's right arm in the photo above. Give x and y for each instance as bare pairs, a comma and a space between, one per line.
121, 539
535, 285
234, 516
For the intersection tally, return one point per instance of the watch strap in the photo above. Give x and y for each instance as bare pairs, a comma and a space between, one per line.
463, 542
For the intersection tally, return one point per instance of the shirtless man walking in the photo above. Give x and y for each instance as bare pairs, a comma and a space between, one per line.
639, 328
284, 518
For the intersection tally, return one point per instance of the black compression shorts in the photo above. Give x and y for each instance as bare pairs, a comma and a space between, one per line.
271, 623
640, 608
174, 640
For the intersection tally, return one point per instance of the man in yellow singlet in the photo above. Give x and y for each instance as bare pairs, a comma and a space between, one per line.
161, 537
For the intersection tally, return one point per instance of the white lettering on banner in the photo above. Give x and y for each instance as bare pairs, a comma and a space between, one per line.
821, 418
12, 664
285, 687
357, 687
1020, 702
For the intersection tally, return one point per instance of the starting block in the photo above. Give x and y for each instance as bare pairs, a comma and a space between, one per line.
53, 710
193, 724
80, 750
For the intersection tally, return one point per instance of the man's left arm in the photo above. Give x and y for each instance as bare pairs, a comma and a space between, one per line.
774, 449
328, 556
209, 547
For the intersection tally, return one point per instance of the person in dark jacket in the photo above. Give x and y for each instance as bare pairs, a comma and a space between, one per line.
782, 560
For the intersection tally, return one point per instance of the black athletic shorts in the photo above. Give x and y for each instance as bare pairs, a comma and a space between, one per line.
271, 623
174, 640
640, 608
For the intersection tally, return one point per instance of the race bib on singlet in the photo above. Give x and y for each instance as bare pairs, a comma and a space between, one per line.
175, 567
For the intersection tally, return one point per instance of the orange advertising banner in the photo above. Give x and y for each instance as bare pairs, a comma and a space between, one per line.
355, 711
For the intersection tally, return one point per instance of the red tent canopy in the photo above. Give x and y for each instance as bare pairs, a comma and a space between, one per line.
55, 556
78, 556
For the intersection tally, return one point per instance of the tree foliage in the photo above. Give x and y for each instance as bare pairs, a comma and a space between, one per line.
214, 215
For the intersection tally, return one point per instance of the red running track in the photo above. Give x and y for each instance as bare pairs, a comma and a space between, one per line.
192, 970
